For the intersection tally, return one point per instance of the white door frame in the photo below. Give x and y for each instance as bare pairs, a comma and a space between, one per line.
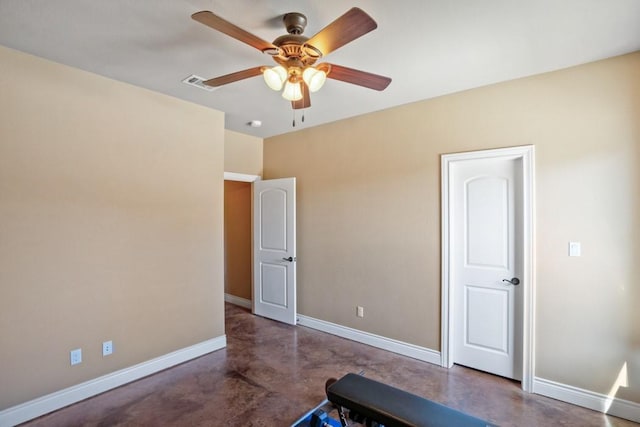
233, 176
526, 154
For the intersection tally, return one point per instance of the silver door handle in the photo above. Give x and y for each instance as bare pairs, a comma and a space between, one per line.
514, 281
290, 259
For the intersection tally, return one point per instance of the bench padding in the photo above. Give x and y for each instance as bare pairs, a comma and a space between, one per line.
393, 407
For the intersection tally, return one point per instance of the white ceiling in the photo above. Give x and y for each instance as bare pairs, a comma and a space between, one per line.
428, 47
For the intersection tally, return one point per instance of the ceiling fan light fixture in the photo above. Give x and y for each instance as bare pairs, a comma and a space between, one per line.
275, 77
314, 78
292, 91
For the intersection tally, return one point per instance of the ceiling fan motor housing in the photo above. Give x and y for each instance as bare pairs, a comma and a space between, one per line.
292, 53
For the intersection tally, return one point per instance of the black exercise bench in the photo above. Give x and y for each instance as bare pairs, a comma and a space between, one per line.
370, 402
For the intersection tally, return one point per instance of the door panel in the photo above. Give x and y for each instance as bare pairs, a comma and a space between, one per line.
274, 285
273, 210
484, 236
487, 312
274, 249
487, 222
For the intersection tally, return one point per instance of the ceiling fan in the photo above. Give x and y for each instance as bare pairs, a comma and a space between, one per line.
296, 55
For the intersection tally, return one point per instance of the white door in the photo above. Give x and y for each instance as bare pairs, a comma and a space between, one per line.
486, 237
274, 249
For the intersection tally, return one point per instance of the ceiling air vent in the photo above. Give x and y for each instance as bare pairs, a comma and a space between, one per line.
198, 82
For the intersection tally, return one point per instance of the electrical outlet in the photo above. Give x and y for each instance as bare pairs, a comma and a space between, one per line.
360, 311
107, 348
75, 356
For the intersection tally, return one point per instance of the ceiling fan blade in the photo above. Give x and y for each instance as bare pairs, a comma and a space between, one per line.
217, 23
348, 27
305, 102
357, 77
234, 77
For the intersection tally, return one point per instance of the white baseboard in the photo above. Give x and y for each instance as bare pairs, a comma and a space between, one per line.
59, 399
242, 302
406, 349
587, 399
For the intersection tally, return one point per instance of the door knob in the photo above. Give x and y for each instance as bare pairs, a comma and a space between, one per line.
290, 259
514, 281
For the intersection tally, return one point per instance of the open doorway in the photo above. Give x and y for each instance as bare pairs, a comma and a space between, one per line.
260, 245
238, 238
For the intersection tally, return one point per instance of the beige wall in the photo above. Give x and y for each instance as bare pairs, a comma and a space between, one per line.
237, 238
111, 225
369, 213
242, 153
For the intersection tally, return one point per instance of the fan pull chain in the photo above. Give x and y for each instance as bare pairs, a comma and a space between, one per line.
293, 123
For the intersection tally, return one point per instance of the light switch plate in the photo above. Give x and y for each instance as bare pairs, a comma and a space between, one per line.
574, 249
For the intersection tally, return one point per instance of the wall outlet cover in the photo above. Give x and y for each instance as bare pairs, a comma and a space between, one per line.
75, 356
107, 348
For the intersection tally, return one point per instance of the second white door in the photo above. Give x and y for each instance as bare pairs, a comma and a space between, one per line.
274, 249
487, 237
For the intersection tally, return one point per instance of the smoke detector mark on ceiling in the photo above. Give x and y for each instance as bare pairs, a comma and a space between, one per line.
198, 82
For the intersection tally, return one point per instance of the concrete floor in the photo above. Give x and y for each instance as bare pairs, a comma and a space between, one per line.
270, 374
